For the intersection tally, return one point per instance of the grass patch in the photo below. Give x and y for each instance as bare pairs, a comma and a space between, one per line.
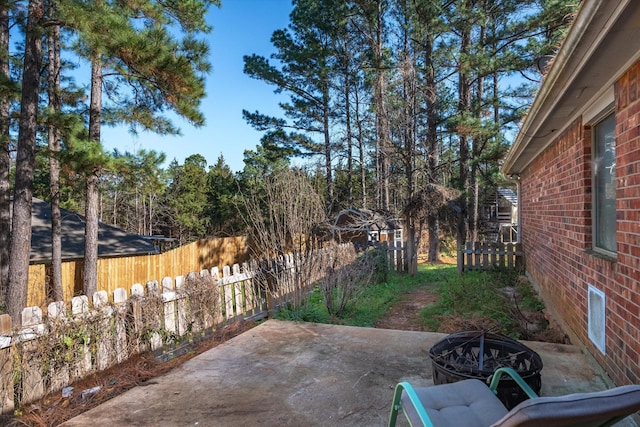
374, 301
474, 300
483, 295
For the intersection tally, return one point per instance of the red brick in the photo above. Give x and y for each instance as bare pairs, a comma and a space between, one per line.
557, 228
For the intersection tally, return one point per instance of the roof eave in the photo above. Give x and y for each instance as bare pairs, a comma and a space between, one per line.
594, 20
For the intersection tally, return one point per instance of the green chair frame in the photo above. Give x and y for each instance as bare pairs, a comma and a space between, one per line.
494, 380
600, 408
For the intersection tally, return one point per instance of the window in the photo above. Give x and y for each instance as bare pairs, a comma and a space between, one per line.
604, 185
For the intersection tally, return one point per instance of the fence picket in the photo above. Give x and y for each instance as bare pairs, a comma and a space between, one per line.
482, 256
493, 255
131, 324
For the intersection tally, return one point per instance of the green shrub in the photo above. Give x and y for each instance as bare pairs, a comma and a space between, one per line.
312, 310
377, 258
372, 302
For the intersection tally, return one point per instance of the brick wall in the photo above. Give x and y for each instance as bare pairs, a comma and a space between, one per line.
557, 234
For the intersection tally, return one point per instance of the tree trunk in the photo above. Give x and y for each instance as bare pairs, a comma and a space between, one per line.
464, 96
477, 146
25, 162
5, 158
408, 135
90, 278
382, 121
361, 152
433, 149
327, 147
150, 215
347, 112
55, 291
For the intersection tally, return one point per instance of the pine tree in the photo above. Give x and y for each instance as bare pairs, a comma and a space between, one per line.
25, 158
152, 71
306, 56
6, 94
90, 262
187, 199
54, 136
428, 28
222, 205
371, 19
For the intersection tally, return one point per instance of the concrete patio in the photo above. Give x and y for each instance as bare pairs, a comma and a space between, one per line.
293, 374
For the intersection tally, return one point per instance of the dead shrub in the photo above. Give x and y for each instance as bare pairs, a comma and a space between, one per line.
343, 281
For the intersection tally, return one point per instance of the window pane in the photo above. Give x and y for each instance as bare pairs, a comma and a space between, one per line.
605, 184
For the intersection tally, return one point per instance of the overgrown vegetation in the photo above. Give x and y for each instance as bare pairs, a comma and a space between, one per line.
374, 300
496, 300
280, 222
501, 301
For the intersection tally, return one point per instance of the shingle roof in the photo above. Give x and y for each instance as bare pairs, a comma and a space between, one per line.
112, 241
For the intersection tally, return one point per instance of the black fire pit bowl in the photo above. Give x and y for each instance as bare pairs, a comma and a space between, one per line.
477, 354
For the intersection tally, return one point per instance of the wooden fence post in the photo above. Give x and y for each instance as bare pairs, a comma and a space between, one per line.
6, 366
169, 300
153, 318
30, 357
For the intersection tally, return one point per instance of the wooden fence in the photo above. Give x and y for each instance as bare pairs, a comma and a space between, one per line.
112, 272
66, 342
396, 255
489, 256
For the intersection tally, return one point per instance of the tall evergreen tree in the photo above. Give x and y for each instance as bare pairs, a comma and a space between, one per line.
90, 263
54, 135
152, 71
371, 19
25, 158
187, 199
6, 94
222, 189
428, 29
305, 70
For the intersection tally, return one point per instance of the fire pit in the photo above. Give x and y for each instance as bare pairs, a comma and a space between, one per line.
477, 354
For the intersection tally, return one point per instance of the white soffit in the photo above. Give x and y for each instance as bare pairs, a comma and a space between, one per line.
601, 44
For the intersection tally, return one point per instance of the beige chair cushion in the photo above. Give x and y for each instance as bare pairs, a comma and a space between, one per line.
580, 409
465, 403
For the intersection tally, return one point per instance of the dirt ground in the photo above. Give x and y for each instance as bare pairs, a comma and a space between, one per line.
405, 314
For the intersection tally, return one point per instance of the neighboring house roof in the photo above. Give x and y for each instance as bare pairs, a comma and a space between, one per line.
600, 45
112, 241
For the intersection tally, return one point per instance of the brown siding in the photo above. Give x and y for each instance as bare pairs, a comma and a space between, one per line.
123, 272
557, 234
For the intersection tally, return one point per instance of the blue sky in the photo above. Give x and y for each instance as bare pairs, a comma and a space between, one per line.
240, 27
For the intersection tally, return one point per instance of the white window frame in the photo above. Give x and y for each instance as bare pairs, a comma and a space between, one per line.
596, 120
600, 109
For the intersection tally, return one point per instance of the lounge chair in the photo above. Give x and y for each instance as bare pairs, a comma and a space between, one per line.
470, 403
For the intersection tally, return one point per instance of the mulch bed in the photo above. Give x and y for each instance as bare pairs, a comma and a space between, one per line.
55, 409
